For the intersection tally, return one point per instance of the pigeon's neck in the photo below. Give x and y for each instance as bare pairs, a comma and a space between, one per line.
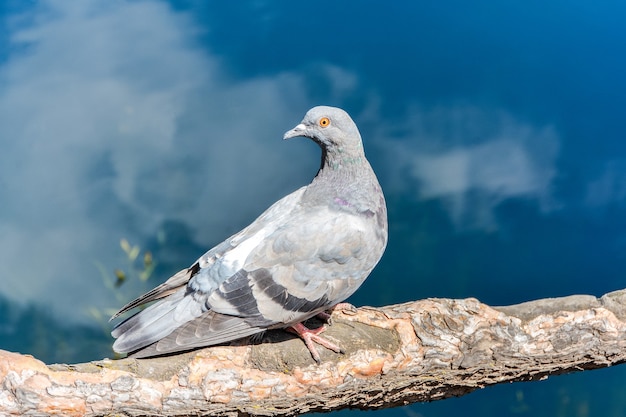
342, 161
346, 182
341, 174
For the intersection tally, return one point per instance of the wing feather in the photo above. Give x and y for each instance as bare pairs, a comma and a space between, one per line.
207, 330
173, 284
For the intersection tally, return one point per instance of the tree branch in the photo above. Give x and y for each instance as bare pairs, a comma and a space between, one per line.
395, 355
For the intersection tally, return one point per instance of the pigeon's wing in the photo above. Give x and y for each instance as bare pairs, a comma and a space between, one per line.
315, 260
182, 298
271, 216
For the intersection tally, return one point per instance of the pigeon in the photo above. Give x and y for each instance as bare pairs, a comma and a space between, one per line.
304, 255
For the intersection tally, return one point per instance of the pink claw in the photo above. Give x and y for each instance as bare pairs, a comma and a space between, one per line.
312, 335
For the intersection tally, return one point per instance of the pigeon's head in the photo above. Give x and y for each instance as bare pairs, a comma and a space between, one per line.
331, 127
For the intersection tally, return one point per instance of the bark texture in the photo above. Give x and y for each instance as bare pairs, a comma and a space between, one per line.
419, 351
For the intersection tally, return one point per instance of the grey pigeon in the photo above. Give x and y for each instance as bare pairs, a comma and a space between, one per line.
305, 254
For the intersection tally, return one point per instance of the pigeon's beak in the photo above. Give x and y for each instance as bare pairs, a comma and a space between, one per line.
296, 131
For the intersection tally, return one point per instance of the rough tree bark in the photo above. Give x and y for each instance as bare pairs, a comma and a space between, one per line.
395, 355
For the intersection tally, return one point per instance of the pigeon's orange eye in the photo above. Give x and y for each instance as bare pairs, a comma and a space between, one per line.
324, 121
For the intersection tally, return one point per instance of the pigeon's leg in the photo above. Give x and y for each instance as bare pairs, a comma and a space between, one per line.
312, 335
325, 317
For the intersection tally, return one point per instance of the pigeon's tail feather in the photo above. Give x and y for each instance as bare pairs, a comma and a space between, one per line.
149, 325
209, 329
170, 286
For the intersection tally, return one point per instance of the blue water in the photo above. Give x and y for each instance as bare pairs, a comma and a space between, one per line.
496, 130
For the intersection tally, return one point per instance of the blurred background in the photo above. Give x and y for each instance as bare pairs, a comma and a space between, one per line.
135, 135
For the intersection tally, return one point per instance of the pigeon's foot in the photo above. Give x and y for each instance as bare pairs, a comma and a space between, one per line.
312, 335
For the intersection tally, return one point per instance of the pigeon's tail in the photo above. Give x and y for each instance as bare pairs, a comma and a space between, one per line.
153, 323
207, 330
178, 323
